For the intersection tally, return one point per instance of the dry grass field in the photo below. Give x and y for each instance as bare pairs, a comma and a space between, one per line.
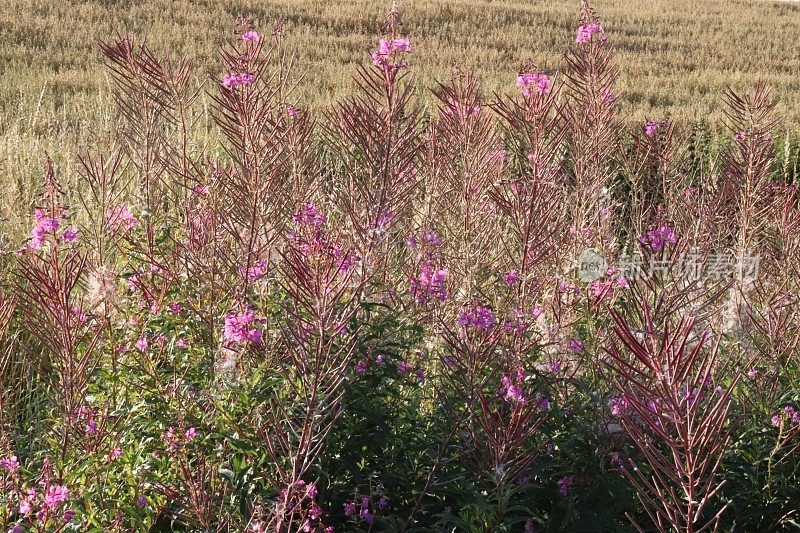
676, 56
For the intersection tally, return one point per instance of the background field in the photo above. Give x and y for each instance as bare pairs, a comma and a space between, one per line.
675, 56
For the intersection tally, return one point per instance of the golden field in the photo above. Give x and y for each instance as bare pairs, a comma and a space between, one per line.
675, 57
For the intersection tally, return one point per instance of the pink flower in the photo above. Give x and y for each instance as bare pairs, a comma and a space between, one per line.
349, 509
480, 317
251, 36
514, 394
141, 344
650, 128
656, 239
429, 284
292, 111
10, 465
380, 57
311, 491
233, 80
586, 31
309, 214
25, 507
401, 45
69, 514
191, 433
116, 453
533, 83
403, 367
618, 405
70, 234
543, 403
563, 485
44, 226
238, 327
121, 215
181, 343
55, 496
575, 346
511, 278
141, 501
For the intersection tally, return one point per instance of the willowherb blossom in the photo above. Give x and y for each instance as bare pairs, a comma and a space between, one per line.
618, 405
403, 367
251, 36
190, 434
10, 465
543, 403
586, 31
25, 506
534, 83
575, 346
44, 226
386, 48
55, 496
239, 328
510, 391
292, 111
70, 235
234, 80
480, 317
309, 215
430, 284
788, 413
564, 485
121, 216
511, 278
349, 509
256, 271
656, 239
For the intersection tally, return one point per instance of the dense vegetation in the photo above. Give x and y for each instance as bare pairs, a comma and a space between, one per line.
677, 57
510, 311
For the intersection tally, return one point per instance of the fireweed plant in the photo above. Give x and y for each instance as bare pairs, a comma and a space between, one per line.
504, 313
